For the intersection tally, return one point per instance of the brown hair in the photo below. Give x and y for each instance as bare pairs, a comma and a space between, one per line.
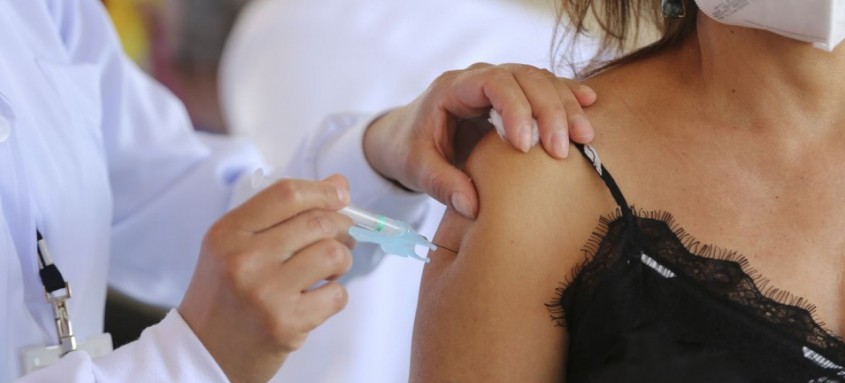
617, 23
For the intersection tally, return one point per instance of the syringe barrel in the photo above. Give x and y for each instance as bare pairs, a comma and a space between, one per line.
375, 222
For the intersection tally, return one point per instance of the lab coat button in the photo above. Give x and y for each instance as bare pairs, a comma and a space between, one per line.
5, 129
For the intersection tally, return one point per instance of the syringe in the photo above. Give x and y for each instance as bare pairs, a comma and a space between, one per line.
375, 222
392, 235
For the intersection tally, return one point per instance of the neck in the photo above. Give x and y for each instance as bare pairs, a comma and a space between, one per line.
754, 79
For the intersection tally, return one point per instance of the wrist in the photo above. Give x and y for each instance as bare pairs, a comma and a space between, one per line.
243, 354
378, 141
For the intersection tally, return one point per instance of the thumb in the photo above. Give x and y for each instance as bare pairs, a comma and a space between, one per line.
451, 187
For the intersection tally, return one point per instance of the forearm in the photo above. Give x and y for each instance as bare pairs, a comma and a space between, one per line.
337, 146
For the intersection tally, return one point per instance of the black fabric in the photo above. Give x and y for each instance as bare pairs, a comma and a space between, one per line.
650, 304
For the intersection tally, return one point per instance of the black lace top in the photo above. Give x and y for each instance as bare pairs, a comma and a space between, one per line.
652, 305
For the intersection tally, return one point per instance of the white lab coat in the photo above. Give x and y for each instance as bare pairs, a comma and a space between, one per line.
289, 62
104, 163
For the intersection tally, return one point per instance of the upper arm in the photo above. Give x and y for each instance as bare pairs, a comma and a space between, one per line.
482, 313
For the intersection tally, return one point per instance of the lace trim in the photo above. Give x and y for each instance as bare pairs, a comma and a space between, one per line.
750, 289
589, 252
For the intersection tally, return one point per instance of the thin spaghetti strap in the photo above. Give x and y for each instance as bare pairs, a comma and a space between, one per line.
591, 155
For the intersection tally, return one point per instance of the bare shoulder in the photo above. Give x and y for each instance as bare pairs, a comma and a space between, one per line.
482, 313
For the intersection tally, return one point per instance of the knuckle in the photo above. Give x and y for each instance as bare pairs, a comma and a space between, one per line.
338, 297
337, 255
311, 322
436, 184
537, 75
448, 75
499, 72
546, 72
344, 221
341, 298
444, 80
259, 298
524, 68
348, 241
533, 71
330, 195
290, 192
320, 223
292, 323
558, 110
510, 67
296, 341
335, 299
529, 72
237, 269
285, 332
478, 65
216, 234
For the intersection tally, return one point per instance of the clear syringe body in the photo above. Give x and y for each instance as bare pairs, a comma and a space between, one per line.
375, 222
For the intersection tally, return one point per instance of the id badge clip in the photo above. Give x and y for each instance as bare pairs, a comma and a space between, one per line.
64, 328
57, 292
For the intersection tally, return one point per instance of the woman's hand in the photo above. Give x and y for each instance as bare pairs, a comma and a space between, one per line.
252, 299
413, 145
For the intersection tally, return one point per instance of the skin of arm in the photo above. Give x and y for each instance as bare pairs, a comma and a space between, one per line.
481, 315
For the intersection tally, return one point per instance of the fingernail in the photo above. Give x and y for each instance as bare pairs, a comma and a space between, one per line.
589, 93
586, 89
461, 204
525, 138
560, 144
581, 129
342, 195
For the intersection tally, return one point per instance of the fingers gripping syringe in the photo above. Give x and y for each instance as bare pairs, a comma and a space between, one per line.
392, 235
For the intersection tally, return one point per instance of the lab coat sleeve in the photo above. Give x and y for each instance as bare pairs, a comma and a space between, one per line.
336, 146
169, 183
166, 352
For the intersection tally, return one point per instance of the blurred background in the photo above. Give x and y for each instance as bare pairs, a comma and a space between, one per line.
180, 42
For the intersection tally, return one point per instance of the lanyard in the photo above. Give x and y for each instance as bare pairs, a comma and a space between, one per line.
57, 292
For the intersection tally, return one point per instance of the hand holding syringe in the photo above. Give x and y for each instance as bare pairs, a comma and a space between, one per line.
392, 235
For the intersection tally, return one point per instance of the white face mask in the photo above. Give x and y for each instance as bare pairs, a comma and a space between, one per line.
821, 22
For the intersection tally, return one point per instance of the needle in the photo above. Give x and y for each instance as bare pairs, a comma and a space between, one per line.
439, 246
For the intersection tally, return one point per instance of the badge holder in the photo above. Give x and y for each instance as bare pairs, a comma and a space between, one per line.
57, 292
